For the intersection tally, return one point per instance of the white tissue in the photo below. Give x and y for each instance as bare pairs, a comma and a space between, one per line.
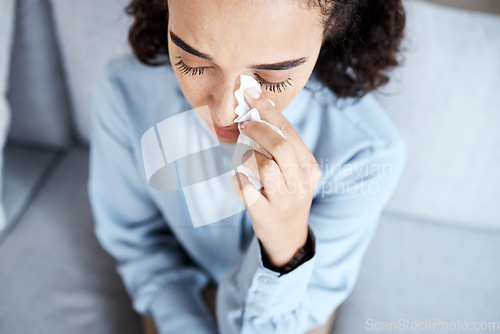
245, 113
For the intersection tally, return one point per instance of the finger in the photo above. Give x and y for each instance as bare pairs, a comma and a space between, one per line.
251, 197
280, 149
270, 176
270, 114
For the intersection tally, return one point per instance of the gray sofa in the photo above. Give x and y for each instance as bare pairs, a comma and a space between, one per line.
434, 259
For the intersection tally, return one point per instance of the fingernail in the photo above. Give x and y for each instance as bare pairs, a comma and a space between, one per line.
253, 92
244, 123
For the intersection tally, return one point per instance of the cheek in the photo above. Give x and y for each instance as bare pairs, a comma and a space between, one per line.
283, 99
194, 90
198, 91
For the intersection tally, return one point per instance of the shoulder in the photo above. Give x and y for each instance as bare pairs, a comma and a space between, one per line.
140, 95
128, 63
126, 72
383, 143
355, 138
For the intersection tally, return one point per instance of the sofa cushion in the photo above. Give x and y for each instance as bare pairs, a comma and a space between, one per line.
24, 172
90, 32
54, 276
37, 93
446, 102
7, 17
418, 271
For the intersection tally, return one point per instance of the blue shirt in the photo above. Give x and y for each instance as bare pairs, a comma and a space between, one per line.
165, 262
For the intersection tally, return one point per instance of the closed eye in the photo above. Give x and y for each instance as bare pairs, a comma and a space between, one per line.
275, 87
188, 70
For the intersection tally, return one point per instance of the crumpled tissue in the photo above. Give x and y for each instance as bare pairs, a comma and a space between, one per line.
245, 143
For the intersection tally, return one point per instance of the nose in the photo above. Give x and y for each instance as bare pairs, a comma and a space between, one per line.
224, 102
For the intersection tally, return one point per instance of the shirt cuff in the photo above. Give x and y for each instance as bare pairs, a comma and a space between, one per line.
269, 292
309, 248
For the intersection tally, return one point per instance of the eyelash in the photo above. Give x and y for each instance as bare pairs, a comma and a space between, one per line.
274, 86
188, 70
271, 86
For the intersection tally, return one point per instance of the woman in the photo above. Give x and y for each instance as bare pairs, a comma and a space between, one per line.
286, 262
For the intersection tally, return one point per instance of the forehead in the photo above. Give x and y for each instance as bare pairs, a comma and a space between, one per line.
246, 31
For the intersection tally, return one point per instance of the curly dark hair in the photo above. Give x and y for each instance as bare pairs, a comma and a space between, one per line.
361, 42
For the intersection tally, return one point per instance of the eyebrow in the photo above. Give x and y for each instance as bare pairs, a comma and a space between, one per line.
281, 66
188, 48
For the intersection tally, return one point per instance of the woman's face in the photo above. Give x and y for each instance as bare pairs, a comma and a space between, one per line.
212, 42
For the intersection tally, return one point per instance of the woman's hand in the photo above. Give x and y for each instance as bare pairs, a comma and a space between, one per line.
280, 211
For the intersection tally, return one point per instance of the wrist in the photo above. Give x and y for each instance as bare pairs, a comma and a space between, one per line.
301, 256
280, 256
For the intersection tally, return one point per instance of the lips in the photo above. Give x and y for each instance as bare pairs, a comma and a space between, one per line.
227, 133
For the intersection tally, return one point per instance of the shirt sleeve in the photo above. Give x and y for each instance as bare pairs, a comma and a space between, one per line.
309, 249
160, 278
344, 214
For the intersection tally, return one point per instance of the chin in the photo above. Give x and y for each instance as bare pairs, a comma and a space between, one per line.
227, 140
